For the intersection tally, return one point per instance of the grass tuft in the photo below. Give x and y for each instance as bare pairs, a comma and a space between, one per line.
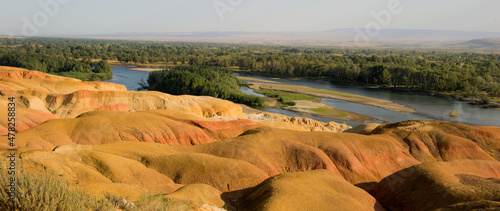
286, 98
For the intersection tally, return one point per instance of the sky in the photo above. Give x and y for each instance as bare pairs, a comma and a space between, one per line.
94, 17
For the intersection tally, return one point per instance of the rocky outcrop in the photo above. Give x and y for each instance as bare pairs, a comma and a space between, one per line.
295, 123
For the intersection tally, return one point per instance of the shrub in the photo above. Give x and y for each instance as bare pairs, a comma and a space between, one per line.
485, 99
46, 192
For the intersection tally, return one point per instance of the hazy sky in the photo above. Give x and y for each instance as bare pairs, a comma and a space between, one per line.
112, 16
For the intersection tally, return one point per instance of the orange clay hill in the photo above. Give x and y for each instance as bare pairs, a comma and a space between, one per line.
206, 152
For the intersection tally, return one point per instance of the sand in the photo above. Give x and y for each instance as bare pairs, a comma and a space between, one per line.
306, 107
243, 78
147, 69
322, 93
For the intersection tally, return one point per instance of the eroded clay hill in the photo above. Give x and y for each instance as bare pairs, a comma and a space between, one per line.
160, 126
204, 150
26, 118
249, 159
309, 190
455, 185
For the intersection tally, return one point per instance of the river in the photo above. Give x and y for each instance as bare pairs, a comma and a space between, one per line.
128, 77
428, 107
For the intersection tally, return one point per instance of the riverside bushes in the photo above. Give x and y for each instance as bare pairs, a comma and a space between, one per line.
201, 80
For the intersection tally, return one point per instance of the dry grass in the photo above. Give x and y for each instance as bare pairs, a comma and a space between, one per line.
46, 192
158, 202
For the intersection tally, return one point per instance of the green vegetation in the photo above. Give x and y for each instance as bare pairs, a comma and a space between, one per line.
286, 98
242, 83
319, 110
83, 70
328, 112
467, 73
199, 80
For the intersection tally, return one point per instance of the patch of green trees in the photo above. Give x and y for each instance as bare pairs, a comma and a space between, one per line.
84, 69
33, 54
201, 80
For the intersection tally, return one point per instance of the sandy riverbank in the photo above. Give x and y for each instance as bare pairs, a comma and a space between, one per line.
385, 104
319, 109
305, 107
146, 69
243, 78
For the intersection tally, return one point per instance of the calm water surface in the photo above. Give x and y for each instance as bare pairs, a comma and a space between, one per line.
428, 108
128, 77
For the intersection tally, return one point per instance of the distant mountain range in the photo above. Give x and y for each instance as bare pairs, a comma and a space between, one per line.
479, 44
388, 38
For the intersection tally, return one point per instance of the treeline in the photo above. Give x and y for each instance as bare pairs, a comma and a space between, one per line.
49, 61
203, 81
81, 69
470, 73
465, 72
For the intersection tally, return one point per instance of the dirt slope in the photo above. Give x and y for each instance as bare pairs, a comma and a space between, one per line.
458, 185
311, 190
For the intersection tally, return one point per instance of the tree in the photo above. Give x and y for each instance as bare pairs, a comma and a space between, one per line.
102, 67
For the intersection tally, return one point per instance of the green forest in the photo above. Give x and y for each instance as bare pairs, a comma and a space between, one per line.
469, 73
81, 69
54, 63
199, 80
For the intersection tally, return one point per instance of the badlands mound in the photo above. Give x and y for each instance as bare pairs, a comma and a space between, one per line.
161, 126
100, 137
20, 79
456, 185
437, 141
311, 190
25, 118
